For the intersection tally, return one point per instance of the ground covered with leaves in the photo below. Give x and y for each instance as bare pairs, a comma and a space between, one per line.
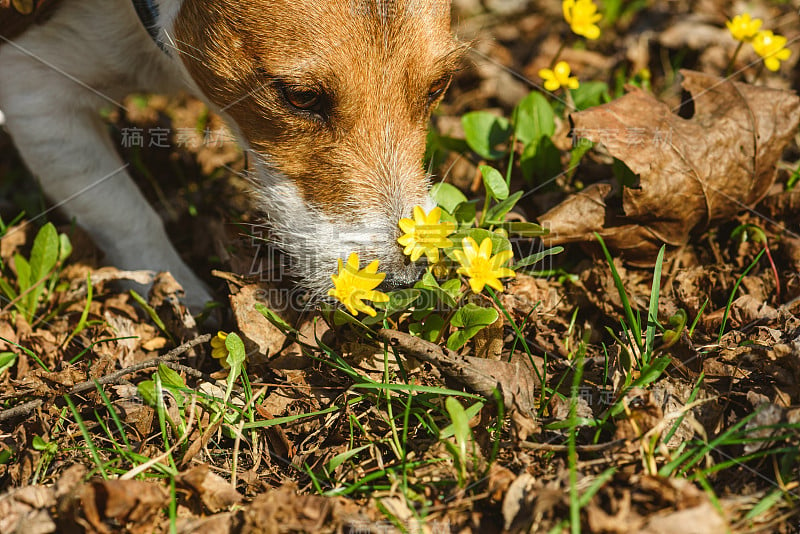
640, 372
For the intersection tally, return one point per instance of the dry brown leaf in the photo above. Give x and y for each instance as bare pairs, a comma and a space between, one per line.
101, 503
692, 172
489, 341
24, 510
214, 491
165, 297
517, 503
701, 519
261, 337
284, 510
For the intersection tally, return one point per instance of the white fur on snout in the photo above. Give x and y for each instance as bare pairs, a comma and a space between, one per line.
2, 118
315, 242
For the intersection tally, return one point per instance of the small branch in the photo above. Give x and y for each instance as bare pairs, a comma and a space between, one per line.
174, 354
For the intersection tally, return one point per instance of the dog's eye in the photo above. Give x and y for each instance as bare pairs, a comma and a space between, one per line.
438, 88
303, 98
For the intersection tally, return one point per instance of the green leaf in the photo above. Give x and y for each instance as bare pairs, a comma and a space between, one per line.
429, 329
540, 161
447, 196
470, 412
44, 254
652, 312
26, 304
236, 358
470, 320
341, 458
452, 287
534, 118
399, 300
7, 360
533, 259
590, 94
473, 315
499, 210
170, 378
39, 443
236, 351
484, 131
147, 391
64, 247
623, 174
494, 182
339, 316
465, 212
7, 290
274, 318
461, 430
429, 286
23, 273
576, 155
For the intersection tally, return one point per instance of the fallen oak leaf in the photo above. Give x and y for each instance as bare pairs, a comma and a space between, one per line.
516, 380
692, 172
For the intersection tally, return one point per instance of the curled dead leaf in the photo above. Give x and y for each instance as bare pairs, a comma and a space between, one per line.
214, 492
691, 172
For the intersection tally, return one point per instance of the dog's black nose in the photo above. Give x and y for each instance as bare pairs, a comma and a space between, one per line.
404, 277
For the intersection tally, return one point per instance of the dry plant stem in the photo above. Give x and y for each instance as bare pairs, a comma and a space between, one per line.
551, 447
237, 441
774, 272
28, 407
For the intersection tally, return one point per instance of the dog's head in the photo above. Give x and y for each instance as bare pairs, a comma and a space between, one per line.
332, 98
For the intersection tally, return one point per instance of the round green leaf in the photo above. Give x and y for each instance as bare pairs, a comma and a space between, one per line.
534, 118
484, 132
494, 182
447, 196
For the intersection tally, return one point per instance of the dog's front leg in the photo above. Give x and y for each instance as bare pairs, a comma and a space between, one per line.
55, 125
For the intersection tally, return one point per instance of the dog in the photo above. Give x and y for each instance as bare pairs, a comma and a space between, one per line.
330, 99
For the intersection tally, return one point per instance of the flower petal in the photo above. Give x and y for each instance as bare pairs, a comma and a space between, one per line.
486, 248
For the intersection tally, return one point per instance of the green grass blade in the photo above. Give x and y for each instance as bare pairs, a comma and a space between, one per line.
652, 313
87, 437
634, 324
733, 294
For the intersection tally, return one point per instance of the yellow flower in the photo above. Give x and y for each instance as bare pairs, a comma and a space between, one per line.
582, 16
218, 349
558, 77
743, 27
771, 47
481, 267
425, 234
352, 285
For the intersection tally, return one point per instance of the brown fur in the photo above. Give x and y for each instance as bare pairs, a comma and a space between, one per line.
376, 62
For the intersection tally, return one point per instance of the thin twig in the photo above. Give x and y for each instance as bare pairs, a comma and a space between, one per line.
174, 354
551, 447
